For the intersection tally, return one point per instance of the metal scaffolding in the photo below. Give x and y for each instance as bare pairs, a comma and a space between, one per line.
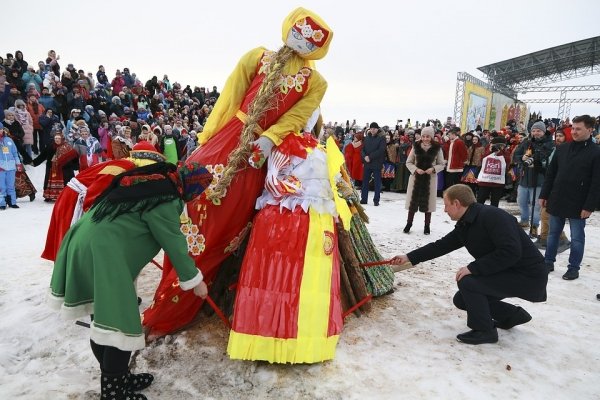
564, 100
461, 79
567, 61
528, 73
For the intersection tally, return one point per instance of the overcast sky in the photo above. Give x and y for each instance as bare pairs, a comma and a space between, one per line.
388, 59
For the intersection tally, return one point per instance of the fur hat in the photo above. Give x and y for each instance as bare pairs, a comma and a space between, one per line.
374, 125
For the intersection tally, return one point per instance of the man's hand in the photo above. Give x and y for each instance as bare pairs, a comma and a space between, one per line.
430, 171
461, 273
543, 203
399, 259
201, 290
419, 171
585, 214
367, 159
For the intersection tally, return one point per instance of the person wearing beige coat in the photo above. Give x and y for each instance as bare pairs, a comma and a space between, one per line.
425, 160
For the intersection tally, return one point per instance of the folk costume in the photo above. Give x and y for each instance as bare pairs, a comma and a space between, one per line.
287, 307
104, 252
244, 113
60, 167
81, 192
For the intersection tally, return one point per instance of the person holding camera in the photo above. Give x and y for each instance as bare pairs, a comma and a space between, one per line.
532, 156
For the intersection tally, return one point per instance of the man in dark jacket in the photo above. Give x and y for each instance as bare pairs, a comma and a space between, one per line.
507, 264
372, 153
572, 191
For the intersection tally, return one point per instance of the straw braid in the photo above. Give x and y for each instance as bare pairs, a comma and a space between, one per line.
264, 101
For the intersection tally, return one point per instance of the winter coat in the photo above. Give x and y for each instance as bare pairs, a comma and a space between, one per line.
48, 102
457, 155
36, 110
501, 249
352, 154
374, 147
104, 137
421, 193
9, 155
31, 77
47, 123
27, 123
117, 85
540, 150
572, 181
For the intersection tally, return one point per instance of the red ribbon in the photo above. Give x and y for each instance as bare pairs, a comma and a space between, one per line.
354, 307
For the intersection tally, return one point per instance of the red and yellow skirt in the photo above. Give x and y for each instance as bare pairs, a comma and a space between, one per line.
288, 307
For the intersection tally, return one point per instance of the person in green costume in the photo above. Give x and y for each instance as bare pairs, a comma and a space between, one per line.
168, 145
103, 253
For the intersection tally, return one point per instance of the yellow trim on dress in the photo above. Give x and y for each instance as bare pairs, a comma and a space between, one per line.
312, 343
335, 162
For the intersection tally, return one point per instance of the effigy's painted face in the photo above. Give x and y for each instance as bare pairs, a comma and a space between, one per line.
299, 43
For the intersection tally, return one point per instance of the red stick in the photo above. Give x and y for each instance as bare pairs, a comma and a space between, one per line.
217, 310
210, 302
354, 307
375, 263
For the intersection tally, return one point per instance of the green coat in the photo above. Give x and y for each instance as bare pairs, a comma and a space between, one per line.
98, 262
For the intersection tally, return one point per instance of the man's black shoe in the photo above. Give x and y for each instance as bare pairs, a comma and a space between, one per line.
518, 318
13, 206
571, 274
427, 231
598, 296
363, 202
550, 267
407, 228
376, 204
478, 337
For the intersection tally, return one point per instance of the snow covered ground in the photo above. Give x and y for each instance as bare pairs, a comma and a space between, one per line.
404, 349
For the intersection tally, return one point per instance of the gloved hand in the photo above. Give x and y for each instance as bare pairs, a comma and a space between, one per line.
261, 149
201, 290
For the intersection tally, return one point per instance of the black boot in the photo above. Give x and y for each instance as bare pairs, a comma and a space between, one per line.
407, 227
426, 230
137, 382
478, 337
10, 203
115, 387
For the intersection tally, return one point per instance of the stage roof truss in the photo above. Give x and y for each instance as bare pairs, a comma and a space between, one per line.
567, 61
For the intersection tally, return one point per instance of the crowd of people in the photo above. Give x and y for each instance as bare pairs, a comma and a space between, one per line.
74, 119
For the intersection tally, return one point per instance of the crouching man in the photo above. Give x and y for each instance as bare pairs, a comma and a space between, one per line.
507, 264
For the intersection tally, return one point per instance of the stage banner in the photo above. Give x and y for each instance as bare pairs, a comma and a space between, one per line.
477, 106
504, 109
